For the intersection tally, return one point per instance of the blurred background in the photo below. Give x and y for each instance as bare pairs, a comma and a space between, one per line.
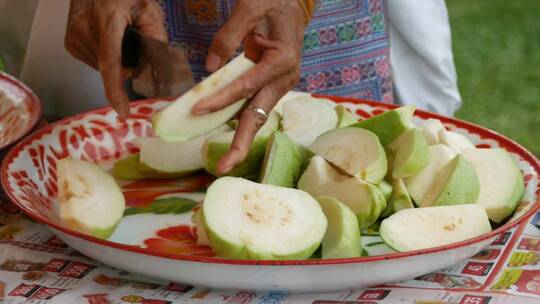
497, 55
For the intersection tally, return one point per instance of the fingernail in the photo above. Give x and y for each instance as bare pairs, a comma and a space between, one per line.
212, 62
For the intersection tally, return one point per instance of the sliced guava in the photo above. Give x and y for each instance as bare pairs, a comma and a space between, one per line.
305, 118
217, 145
411, 154
455, 141
456, 183
501, 181
90, 200
342, 237
127, 168
248, 220
364, 199
389, 125
356, 151
177, 123
159, 157
430, 129
283, 161
386, 189
290, 95
399, 200
345, 117
419, 183
421, 228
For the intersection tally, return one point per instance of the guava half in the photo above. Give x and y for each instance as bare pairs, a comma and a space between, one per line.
364, 199
356, 151
501, 181
248, 220
421, 228
304, 118
90, 200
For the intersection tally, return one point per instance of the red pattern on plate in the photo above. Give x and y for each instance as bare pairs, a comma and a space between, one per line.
180, 239
20, 110
29, 176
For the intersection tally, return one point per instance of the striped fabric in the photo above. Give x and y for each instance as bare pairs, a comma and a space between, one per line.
345, 50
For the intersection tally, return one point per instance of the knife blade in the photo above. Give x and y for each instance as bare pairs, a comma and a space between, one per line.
161, 70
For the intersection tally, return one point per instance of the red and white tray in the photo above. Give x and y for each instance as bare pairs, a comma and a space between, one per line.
164, 246
20, 110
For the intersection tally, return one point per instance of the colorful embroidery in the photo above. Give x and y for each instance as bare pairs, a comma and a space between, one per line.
345, 49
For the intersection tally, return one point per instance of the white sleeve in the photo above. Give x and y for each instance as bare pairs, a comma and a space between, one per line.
421, 55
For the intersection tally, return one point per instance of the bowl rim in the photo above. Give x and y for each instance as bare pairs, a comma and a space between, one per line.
476, 129
35, 103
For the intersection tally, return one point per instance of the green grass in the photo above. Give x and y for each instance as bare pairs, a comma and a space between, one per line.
2, 66
497, 53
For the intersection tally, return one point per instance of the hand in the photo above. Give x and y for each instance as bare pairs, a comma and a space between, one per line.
94, 35
272, 32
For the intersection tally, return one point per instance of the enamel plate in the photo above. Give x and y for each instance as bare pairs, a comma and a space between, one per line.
164, 245
20, 110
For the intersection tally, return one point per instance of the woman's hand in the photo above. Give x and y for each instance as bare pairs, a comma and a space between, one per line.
272, 32
94, 35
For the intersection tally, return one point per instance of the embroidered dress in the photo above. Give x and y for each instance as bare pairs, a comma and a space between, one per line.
345, 50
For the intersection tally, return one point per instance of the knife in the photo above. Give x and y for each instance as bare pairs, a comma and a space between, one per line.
161, 70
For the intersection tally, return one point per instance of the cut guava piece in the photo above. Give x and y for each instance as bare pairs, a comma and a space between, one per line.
166, 157
196, 219
127, 168
345, 117
159, 157
90, 200
456, 183
455, 141
389, 125
283, 161
431, 129
342, 237
421, 228
411, 154
501, 181
386, 189
217, 145
419, 183
248, 220
305, 118
177, 123
290, 95
322, 179
399, 199
356, 151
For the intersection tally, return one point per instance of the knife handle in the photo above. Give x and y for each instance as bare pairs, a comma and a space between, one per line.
131, 47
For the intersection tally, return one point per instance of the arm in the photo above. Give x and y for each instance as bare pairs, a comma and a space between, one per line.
272, 33
94, 35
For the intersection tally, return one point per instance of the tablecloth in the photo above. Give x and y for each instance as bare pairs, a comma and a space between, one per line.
37, 267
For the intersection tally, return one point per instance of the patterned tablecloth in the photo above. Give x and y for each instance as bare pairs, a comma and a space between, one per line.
36, 267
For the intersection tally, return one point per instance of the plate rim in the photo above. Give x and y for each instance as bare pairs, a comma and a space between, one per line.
477, 129
36, 102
